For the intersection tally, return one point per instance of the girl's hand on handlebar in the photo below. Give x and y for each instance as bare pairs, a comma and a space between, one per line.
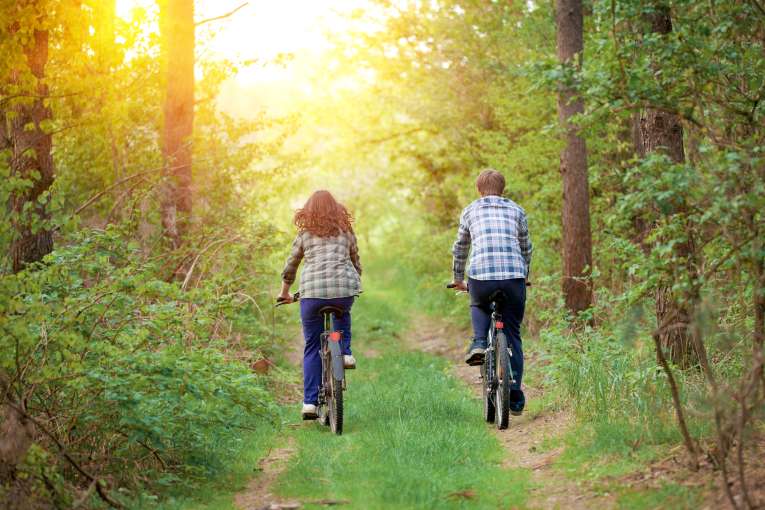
460, 285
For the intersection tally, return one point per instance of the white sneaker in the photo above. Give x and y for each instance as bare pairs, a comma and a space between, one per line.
310, 412
349, 361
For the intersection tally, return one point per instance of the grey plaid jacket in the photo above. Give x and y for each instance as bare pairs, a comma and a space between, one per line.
496, 230
332, 268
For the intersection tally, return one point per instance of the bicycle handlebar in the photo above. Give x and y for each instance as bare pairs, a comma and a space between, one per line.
453, 286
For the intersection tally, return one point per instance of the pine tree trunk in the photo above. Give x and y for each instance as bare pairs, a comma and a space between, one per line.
31, 160
178, 47
23, 134
577, 239
662, 131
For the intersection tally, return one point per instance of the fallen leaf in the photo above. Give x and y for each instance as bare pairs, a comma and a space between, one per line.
466, 494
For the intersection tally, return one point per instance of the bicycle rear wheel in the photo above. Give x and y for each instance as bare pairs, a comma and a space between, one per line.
487, 377
335, 406
504, 379
326, 376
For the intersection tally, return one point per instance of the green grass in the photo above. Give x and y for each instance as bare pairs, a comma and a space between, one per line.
218, 493
596, 450
413, 436
667, 496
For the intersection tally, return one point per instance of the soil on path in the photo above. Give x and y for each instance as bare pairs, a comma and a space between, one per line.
258, 494
523, 440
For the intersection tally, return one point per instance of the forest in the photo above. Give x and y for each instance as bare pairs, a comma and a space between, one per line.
153, 153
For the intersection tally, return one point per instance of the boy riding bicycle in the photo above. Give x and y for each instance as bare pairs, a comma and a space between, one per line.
494, 231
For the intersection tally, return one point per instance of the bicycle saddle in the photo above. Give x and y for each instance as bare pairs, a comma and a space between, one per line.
497, 296
331, 309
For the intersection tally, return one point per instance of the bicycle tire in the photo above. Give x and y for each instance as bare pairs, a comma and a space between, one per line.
325, 383
336, 407
489, 410
504, 378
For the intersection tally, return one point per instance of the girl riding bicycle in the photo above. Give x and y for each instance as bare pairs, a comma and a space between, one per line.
331, 277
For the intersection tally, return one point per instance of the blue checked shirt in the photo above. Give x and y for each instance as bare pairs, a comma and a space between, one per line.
496, 230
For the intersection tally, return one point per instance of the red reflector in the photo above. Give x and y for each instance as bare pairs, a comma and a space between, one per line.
335, 336
500, 325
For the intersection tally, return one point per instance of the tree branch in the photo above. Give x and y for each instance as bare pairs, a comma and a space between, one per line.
115, 185
222, 16
392, 136
99, 486
758, 6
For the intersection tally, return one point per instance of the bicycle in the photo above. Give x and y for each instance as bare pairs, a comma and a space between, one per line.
496, 370
333, 382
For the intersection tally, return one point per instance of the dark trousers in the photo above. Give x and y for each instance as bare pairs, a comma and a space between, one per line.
313, 326
511, 309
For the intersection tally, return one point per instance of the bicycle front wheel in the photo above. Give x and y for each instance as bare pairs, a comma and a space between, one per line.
504, 379
487, 378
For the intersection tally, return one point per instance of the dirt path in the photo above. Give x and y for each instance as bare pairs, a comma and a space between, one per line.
523, 439
258, 495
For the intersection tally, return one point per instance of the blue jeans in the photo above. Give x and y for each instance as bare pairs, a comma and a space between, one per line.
313, 326
512, 311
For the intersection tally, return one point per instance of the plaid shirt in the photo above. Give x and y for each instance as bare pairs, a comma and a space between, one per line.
496, 229
332, 268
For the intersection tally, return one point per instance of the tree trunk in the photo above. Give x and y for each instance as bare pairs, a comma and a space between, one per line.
662, 131
577, 238
178, 47
31, 160
16, 433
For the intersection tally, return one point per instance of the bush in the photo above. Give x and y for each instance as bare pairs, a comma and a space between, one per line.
136, 379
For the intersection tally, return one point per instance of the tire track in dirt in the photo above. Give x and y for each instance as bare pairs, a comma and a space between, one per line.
524, 437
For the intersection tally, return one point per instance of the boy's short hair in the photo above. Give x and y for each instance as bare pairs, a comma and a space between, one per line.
490, 182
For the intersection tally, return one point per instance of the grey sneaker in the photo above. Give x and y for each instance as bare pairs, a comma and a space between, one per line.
349, 361
310, 412
476, 353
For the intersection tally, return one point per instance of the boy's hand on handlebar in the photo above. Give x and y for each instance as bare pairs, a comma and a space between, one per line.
460, 285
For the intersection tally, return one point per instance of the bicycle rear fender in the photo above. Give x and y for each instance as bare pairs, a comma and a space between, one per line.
338, 366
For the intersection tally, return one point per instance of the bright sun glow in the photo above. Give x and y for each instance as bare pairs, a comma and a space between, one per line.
261, 29
257, 35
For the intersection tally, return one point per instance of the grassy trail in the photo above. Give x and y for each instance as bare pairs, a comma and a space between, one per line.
413, 436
